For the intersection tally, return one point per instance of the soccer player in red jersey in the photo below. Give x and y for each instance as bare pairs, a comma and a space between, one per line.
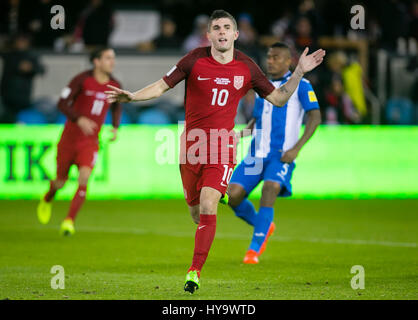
217, 77
85, 104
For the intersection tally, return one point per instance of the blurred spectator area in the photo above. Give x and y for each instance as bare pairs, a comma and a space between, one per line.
378, 76
133, 27
133, 71
395, 77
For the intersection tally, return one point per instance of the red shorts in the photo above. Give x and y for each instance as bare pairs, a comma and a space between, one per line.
82, 155
197, 176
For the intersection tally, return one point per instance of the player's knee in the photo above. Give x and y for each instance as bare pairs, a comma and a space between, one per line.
235, 195
84, 176
195, 214
196, 219
234, 201
271, 188
58, 184
208, 206
82, 181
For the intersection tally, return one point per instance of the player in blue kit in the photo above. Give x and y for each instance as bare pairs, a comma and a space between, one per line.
274, 147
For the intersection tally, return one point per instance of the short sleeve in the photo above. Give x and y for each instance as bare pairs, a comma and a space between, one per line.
307, 96
74, 87
69, 94
259, 81
182, 69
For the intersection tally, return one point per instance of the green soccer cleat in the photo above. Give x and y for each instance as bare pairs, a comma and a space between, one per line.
44, 211
192, 282
224, 199
67, 227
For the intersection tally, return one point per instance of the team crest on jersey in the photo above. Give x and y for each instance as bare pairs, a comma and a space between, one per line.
238, 82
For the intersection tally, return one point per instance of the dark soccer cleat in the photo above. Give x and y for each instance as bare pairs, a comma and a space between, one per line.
192, 282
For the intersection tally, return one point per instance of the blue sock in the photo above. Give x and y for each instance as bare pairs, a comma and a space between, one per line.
246, 211
262, 223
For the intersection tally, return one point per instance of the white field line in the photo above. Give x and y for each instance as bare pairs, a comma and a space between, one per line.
220, 235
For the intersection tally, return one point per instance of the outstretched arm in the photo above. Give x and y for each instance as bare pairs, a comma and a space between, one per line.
306, 63
152, 91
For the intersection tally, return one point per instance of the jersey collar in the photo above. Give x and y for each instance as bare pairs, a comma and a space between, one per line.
287, 74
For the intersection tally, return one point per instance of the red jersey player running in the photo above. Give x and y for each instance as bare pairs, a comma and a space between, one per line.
85, 105
217, 77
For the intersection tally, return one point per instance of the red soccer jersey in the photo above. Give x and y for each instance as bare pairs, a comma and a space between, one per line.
84, 96
213, 90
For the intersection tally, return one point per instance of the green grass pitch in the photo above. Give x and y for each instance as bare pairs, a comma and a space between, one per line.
142, 250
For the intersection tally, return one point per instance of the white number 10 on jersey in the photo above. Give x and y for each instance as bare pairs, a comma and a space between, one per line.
97, 107
221, 98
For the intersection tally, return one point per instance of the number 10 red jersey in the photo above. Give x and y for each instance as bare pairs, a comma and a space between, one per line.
213, 90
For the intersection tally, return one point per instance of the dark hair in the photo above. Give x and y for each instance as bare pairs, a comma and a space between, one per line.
280, 45
97, 52
217, 14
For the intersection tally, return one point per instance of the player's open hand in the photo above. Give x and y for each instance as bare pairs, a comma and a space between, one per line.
87, 125
118, 95
290, 155
309, 62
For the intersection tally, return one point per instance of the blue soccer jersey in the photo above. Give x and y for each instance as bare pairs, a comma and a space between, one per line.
276, 131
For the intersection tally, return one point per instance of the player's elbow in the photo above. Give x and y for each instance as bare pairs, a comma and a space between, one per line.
318, 116
161, 91
319, 121
280, 102
281, 99
161, 88
276, 101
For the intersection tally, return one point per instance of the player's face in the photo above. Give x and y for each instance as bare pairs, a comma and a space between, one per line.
278, 61
106, 63
222, 34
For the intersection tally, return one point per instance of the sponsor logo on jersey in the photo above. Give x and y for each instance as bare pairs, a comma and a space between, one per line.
90, 93
100, 95
238, 82
312, 96
200, 78
224, 81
